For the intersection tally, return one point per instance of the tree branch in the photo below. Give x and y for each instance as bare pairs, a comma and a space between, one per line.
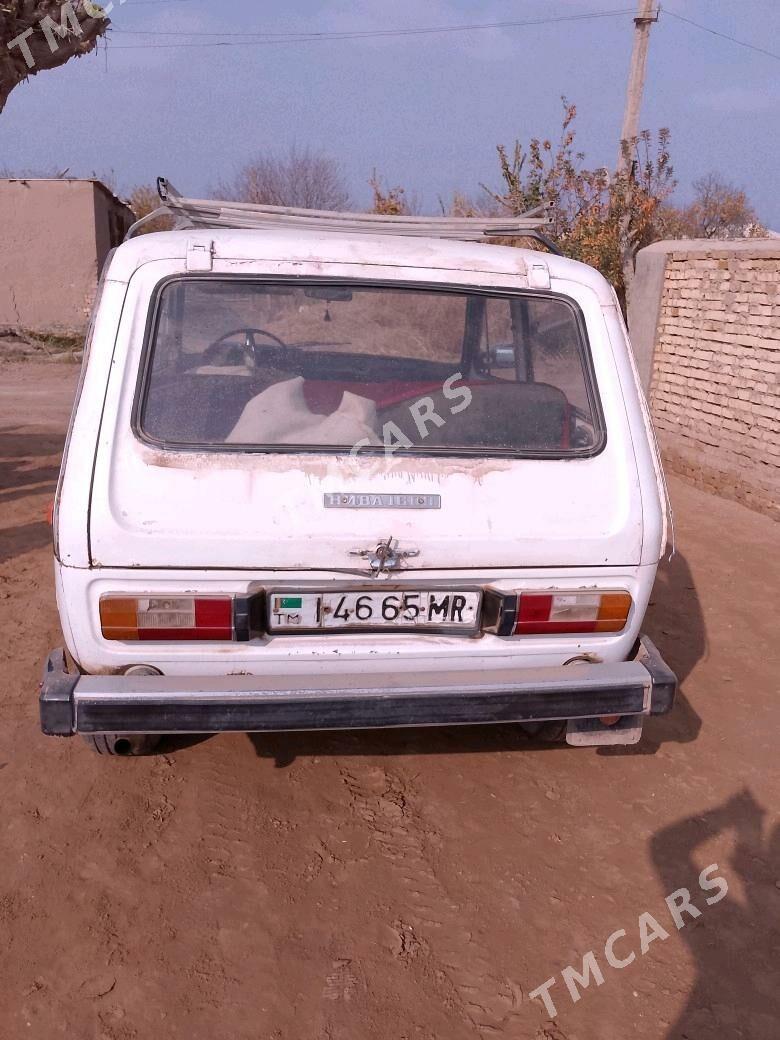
36, 35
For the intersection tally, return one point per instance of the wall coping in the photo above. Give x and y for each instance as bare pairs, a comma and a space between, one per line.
95, 181
644, 306
696, 247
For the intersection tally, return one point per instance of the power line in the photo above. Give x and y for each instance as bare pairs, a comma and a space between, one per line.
361, 34
339, 33
260, 38
722, 35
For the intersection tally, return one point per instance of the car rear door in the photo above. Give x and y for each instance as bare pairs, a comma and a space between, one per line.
154, 506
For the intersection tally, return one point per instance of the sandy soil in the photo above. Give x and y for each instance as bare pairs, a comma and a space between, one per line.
409, 885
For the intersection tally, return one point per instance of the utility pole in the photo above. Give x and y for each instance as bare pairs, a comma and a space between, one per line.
645, 17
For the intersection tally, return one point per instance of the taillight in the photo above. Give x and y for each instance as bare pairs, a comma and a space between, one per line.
167, 617
542, 612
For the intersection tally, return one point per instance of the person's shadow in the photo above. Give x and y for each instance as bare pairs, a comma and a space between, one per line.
736, 994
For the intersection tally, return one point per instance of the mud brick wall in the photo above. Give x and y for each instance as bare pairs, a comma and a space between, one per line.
713, 378
56, 234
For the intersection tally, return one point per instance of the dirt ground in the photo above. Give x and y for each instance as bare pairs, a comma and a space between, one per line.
399, 886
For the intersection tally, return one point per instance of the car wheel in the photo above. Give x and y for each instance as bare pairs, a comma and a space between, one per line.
546, 732
124, 744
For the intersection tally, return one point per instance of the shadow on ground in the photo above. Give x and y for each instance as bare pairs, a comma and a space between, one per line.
14, 541
20, 458
734, 944
29, 465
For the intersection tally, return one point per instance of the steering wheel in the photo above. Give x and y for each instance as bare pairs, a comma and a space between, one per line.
249, 347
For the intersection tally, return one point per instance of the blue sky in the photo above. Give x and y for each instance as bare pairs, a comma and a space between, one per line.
427, 111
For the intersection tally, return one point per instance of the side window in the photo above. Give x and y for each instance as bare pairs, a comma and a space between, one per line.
533, 340
557, 351
168, 354
499, 340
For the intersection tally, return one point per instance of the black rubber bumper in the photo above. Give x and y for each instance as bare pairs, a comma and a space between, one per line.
72, 703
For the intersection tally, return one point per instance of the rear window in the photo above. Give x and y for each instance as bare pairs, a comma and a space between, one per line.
357, 368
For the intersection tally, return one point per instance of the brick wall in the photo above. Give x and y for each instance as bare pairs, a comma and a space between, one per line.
715, 366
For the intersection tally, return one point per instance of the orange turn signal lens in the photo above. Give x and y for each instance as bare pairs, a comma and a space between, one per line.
166, 618
613, 612
119, 617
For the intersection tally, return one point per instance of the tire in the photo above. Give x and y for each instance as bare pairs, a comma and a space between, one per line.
121, 744
546, 732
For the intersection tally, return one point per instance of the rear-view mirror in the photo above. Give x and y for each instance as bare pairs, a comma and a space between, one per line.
331, 293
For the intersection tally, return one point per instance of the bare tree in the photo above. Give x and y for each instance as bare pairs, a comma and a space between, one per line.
36, 35
300, 178
720, 210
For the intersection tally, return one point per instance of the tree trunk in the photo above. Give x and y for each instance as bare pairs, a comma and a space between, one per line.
36, 35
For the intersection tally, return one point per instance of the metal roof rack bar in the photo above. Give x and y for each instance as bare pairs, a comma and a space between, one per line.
212, 213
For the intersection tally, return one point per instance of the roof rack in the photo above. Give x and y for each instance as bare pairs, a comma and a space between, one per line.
212, 213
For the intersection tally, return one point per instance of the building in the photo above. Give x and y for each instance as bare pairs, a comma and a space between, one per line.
55, 234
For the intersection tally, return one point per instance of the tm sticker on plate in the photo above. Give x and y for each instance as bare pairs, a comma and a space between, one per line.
418, 609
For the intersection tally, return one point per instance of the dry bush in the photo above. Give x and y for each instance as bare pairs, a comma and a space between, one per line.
396, 324
463, 205
145, 200
598, 218
392, 201
400, 324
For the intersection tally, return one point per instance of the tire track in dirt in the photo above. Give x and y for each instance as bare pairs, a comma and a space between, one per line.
234, 907
435, 932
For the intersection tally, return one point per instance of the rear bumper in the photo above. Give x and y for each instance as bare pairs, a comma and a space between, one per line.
73, 703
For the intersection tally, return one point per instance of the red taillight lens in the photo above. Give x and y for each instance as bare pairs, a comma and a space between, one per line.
162, 618
542, 612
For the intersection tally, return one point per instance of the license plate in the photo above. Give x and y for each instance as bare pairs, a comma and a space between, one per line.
410, 609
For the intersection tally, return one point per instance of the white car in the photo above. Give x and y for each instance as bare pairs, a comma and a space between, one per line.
328, 478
